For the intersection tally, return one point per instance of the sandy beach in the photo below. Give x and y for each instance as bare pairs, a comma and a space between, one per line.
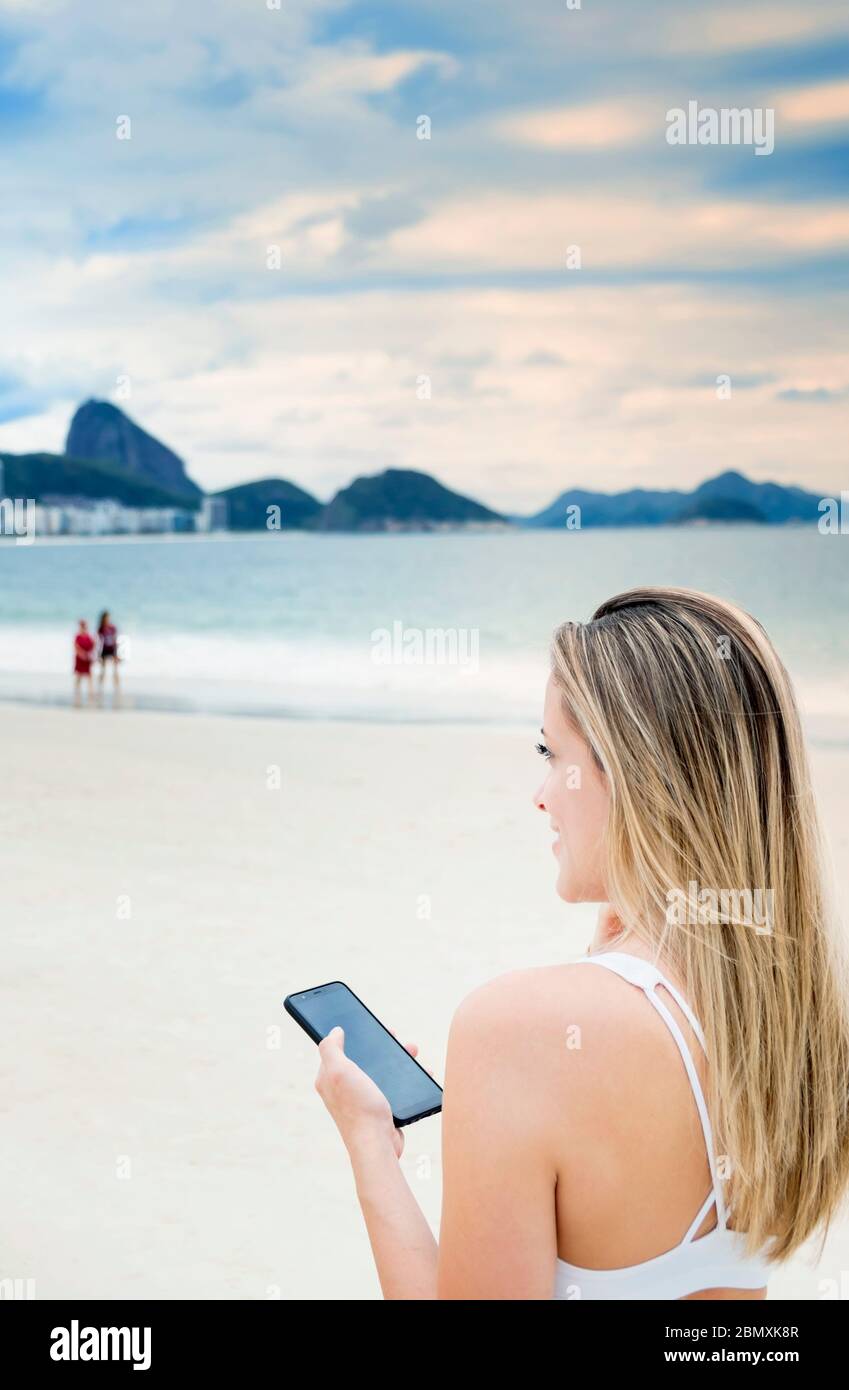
168, 880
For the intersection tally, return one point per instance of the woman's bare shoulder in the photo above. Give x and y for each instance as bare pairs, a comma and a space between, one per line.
553, 1013
550, 987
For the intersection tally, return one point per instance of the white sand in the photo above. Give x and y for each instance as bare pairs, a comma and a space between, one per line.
161, 1038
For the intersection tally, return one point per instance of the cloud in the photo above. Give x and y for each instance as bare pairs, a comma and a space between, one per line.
355, 69
625, 232
596, 126
729, 28
543, 358
296, 130
318, 388
373, 217
816, 395
824, 104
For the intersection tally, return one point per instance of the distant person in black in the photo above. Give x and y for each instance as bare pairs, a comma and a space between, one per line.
107, 639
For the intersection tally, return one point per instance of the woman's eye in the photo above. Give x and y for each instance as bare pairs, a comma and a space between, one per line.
542, 750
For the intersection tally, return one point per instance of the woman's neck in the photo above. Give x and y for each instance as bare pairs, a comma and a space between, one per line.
612, 935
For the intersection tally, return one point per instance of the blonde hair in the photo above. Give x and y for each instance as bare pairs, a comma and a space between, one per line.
691, 716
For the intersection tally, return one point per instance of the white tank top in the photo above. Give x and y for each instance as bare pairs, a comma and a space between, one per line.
714, 1261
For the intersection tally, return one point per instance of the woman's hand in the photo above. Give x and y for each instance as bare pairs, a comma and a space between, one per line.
359, 1108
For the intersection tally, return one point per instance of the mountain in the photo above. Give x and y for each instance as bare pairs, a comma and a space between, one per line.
636, 507
46, 476
728, 497
776, 503
401, 500
720, 509
248, 505
102, 433
109, 455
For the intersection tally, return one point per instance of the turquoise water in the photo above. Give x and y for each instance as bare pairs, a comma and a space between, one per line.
287, 623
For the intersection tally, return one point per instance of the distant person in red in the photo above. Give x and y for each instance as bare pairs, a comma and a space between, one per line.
84, 653
107, 640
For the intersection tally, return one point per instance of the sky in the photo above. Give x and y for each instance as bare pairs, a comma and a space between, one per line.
277, 276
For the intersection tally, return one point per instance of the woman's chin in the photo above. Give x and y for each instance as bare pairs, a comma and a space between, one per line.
566, 888
574, 888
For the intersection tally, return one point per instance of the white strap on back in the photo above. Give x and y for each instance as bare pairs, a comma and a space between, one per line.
716, 1194
647, 977
703, 1211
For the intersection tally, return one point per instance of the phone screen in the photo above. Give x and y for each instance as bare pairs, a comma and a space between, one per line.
410, 1090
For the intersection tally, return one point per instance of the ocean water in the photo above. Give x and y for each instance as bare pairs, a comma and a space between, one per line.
345, 626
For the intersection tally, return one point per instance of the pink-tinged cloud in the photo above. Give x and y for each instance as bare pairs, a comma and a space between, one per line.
823, 104
596, 126
505, 231
356, 70
734, 28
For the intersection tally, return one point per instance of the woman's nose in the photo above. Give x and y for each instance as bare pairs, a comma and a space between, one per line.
537, 799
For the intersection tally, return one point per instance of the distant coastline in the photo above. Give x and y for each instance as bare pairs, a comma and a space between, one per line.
467, 531
115, 479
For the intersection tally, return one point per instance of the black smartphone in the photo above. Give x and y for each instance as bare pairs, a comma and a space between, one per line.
411, 1091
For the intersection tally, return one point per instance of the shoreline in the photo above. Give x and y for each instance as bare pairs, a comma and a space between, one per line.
463, 529
821, 732
274, 714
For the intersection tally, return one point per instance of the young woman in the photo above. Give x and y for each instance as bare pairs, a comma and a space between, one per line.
107, 634
668, 1116
83, 657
